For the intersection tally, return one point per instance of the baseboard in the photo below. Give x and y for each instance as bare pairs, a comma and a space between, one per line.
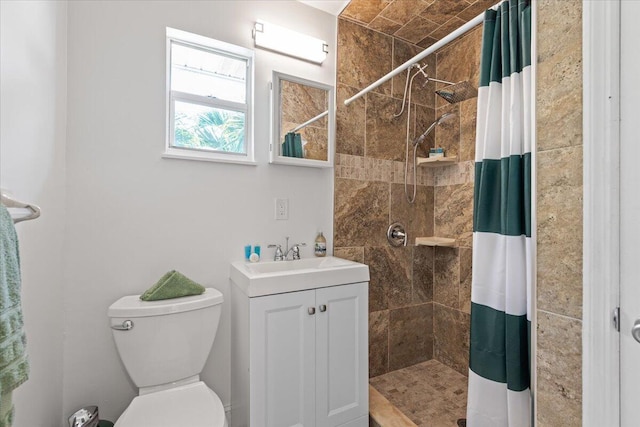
227, 413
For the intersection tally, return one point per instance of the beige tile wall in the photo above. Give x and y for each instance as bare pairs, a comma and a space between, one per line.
559, 212
453, 205
369, 195
421, 22
419, 296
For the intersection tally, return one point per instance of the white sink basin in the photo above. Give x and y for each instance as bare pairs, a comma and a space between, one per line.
276, 277
301, 264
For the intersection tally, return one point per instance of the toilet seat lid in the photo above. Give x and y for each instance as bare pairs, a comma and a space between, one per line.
193, 405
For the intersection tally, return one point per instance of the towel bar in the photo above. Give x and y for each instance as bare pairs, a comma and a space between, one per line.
10, 202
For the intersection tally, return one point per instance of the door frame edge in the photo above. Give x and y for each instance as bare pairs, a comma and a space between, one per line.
601, 212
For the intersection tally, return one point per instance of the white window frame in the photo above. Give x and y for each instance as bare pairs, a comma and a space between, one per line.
215, 46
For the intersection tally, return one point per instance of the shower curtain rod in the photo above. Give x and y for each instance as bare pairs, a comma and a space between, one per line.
428, 51
308, 122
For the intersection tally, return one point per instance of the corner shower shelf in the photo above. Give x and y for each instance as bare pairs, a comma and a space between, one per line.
436, 161
435, 241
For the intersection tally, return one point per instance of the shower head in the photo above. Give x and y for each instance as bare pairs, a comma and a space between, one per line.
443, 118
458, 92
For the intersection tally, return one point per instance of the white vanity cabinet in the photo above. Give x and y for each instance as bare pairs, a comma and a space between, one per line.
301, 358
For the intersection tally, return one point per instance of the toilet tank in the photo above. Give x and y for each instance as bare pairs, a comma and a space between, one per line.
170, 340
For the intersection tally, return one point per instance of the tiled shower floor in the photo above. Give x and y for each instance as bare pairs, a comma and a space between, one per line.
430, 394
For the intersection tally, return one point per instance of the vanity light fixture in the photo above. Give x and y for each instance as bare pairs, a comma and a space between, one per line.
289, 42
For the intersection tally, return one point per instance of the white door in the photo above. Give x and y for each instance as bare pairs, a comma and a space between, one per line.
282, 366
342, 355
629, 212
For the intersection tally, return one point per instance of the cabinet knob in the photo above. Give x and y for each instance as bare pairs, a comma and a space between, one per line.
323, 308
311, 311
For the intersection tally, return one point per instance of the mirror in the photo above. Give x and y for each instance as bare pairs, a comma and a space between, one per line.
303, 122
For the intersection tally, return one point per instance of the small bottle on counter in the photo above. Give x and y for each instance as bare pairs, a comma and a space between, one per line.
320, 248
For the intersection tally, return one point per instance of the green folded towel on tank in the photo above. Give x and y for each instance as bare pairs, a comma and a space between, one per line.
172, 285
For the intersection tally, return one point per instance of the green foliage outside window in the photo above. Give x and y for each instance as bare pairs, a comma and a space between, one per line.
217, 130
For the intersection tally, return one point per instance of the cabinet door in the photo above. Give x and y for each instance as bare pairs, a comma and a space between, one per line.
342, 355
282, 360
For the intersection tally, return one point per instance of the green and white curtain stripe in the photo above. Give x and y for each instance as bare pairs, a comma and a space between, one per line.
501, 290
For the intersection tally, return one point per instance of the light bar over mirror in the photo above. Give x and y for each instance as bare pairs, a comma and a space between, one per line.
289, 42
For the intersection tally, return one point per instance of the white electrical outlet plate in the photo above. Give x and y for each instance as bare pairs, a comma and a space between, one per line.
282, 208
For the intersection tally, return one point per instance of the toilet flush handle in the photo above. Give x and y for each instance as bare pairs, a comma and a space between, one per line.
125, 326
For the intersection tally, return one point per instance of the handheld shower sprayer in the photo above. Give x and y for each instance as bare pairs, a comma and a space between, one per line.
439, 120
452, 93
416, 142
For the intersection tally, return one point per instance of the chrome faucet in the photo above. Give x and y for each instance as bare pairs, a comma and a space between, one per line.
284, 256
294, 251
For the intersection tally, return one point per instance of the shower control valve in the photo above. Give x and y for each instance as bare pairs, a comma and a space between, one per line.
396, 235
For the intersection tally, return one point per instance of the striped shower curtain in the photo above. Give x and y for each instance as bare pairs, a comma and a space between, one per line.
501, 291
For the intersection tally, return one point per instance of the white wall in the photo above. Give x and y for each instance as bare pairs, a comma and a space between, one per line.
32, 149
132, 215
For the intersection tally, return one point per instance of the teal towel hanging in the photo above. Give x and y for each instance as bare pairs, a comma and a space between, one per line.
297, 146
287, 145
292, 145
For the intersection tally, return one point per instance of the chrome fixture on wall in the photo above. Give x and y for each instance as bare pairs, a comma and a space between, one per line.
458, 92
396, 235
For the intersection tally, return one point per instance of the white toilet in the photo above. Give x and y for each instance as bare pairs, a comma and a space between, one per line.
164, 346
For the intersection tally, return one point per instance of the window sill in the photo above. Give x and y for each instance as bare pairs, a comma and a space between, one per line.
201, 156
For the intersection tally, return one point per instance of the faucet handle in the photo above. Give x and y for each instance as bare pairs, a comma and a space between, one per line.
296, 250
278, 256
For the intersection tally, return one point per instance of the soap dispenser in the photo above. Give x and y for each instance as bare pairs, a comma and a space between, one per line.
321, 245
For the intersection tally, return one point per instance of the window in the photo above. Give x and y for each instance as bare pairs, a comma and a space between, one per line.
209, 99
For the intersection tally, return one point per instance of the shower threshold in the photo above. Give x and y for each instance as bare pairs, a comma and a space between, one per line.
428, 394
